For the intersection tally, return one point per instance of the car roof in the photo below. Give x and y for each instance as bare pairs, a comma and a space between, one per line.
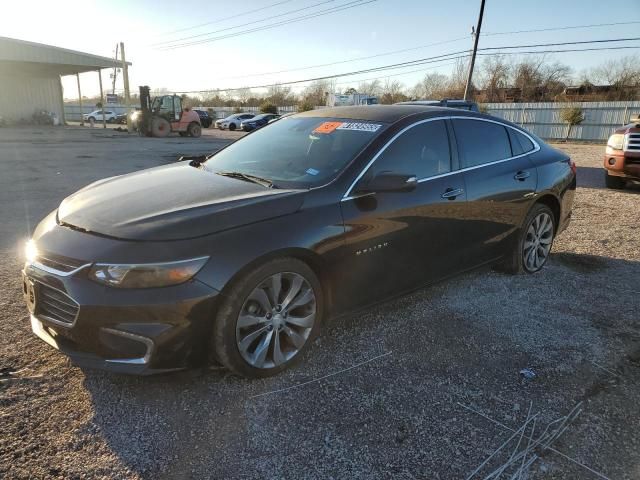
379, 113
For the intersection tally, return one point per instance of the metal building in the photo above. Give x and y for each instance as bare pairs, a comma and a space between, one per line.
30, 76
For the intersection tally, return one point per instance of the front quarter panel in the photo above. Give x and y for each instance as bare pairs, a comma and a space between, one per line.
315, 231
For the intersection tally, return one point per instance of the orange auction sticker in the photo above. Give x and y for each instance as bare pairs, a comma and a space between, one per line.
327, 127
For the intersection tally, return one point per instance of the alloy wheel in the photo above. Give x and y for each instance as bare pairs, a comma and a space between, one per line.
537, 242
276, 320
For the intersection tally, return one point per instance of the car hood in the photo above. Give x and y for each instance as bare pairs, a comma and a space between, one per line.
172, 202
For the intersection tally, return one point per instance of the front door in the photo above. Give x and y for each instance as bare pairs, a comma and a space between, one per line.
399, 240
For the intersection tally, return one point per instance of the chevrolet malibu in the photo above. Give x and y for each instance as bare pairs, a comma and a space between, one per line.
238, 257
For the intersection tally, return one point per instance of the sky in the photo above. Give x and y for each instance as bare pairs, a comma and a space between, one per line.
245, 60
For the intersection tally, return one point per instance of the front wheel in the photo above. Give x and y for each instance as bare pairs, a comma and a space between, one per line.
611, 181
232, 126
534, 243
268, 318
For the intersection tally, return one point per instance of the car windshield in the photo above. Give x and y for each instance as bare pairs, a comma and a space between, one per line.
297, 152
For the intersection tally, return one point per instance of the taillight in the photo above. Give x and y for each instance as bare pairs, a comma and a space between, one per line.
572, 166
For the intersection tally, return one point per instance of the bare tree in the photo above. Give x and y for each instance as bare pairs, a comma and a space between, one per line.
243, 95
623, 74
458, 79
494, 78
392, 92
432, 86
372, 88
280, 95
315, 93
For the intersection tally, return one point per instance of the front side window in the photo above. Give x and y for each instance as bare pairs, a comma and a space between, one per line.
423, 151
297, 152
481, 142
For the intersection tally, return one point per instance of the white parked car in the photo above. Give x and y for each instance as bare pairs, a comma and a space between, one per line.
232, 122
96, 116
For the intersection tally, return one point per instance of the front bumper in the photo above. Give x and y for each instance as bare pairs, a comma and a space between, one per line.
622, 164
135, 331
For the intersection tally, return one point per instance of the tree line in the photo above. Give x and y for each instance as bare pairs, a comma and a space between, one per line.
496, 79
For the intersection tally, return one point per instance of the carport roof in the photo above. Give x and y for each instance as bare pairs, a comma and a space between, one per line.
37, 56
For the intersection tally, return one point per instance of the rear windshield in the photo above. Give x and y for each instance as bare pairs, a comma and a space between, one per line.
297, 152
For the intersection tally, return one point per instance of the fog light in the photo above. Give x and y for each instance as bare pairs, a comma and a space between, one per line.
612, 161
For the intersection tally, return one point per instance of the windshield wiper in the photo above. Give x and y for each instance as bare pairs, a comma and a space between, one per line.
248, 178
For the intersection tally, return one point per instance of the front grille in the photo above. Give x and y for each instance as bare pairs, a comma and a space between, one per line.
59, 262
55, 305
633, 142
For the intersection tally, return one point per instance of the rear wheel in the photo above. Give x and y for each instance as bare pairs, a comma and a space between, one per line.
194, 130
268, 318
614, 182
534, 243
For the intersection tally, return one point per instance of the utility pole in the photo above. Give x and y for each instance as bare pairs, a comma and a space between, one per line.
475, 49
104, 120
125, 78
80, 100
115, 73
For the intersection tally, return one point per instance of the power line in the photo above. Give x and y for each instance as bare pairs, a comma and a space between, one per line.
439, 58
393, 52
346, 61
228, 18
346, 6
244, 24
568, 27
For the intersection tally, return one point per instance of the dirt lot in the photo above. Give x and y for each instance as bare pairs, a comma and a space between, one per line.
426, 386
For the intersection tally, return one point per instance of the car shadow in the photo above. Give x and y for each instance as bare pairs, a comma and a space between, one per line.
593, 177
472, 330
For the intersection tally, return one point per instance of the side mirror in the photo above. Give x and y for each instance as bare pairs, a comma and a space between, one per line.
390, 182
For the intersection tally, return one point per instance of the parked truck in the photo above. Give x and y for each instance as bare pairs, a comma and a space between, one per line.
340, 100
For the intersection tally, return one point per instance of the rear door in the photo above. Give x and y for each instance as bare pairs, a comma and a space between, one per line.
500, 181
399, 240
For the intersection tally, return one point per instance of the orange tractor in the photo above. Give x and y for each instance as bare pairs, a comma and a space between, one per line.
163, 115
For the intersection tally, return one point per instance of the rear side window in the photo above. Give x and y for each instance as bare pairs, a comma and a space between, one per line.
422, 150
481, 142
525, 143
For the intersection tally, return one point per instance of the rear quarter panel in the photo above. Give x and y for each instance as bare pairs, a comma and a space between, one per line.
555, 178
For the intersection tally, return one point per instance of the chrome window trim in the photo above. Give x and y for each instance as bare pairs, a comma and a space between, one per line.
536, 147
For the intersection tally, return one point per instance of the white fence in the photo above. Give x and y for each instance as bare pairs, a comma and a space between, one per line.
543, 119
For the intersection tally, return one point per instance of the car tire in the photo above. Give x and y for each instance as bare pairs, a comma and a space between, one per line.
194, 130
611, 181
533, 244
232, 126
247, 323
92, 119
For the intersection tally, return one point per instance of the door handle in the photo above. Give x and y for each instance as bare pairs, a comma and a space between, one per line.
452, 193
522, 175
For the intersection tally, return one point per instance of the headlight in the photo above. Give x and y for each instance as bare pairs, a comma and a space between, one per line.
146, 275
30, 251
616, 141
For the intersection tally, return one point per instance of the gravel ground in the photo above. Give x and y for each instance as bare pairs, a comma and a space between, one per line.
385, 393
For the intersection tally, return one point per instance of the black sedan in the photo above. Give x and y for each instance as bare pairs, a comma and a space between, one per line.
240, 257
258, 121
205, 118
